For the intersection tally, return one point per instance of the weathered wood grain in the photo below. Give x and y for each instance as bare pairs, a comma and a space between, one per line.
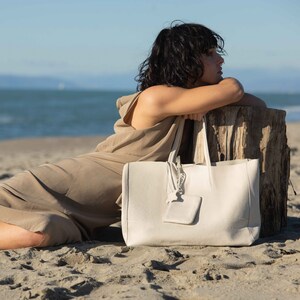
237, 132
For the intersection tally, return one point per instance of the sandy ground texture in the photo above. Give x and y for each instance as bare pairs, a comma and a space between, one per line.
108, 269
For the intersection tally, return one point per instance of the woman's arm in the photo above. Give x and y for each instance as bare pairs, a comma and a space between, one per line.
247, 100
166, 101
158, 102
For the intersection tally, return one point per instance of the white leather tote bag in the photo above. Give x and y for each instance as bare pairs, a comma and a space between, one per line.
167, 203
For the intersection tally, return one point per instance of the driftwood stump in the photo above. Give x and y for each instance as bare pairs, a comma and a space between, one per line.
237, 132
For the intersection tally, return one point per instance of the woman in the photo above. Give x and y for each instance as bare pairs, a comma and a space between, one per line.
71, 200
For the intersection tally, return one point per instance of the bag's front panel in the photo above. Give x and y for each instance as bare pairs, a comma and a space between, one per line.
223, 216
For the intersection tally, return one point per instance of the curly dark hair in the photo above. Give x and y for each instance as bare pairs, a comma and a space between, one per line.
175, 58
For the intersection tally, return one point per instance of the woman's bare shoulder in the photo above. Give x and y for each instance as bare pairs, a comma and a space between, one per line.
159, 94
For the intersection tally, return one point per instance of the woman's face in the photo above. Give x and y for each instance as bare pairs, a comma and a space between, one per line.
212, 63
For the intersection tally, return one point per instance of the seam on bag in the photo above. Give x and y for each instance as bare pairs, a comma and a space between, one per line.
127, 201
127, 210
249, 203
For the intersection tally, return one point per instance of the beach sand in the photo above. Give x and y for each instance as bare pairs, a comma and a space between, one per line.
108, 269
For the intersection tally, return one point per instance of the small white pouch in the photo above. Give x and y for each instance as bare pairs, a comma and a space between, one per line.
182, 210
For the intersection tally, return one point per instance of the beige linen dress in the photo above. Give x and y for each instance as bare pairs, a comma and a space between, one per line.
72, 199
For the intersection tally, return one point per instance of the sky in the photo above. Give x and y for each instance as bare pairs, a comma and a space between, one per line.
88, 37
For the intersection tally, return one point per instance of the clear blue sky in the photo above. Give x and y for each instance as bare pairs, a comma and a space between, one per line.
61, 37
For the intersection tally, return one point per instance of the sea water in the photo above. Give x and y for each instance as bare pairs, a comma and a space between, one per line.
33, 113
39, 113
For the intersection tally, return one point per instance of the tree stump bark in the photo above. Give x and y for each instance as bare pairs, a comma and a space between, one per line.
237, 132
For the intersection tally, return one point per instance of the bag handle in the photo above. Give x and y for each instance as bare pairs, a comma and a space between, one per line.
175, 148
177, 141
205, 143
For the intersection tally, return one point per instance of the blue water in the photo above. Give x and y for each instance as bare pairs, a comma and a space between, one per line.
32, 113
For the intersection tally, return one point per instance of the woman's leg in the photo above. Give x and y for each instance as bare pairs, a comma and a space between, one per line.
14, 237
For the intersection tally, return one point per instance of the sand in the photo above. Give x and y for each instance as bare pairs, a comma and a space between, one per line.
108, 269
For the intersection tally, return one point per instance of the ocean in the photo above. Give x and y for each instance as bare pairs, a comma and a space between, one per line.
40, 113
